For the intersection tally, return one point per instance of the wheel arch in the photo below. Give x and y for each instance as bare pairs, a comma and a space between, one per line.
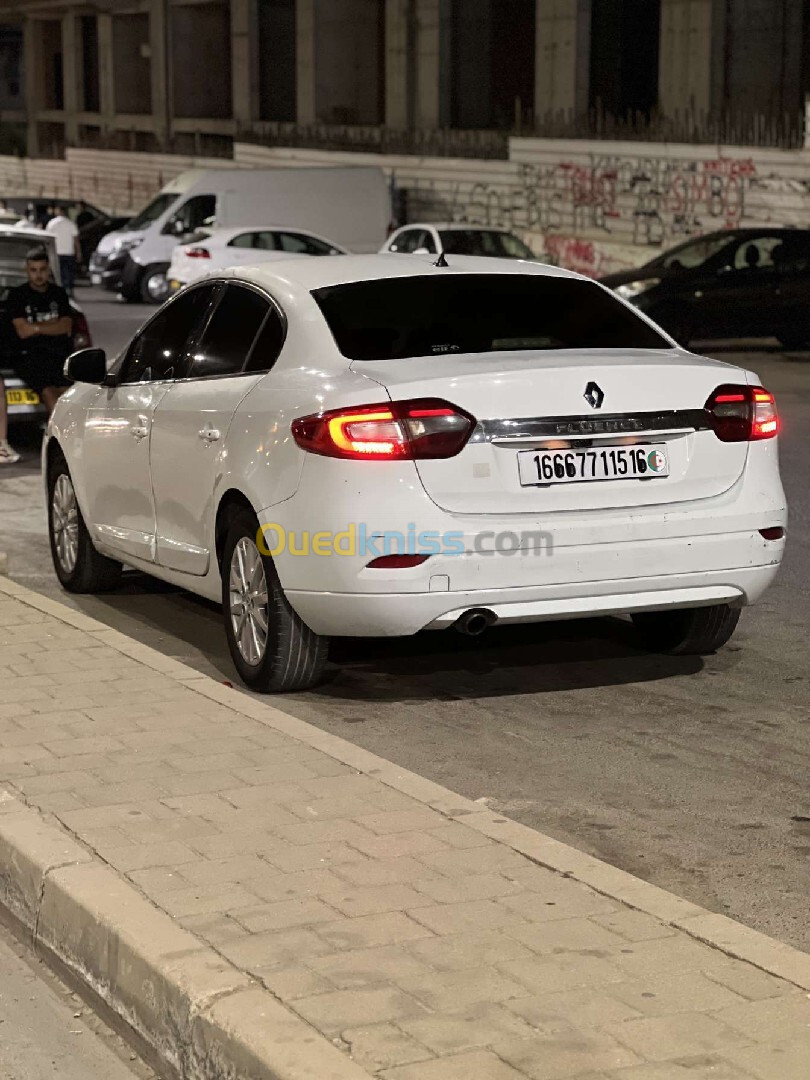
231, 503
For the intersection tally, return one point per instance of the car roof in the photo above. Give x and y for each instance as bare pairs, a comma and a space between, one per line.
308, 274
445, 226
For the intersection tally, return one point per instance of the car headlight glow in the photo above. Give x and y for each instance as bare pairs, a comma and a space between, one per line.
635, 288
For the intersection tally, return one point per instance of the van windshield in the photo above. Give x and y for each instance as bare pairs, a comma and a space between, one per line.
158, 206
401, 317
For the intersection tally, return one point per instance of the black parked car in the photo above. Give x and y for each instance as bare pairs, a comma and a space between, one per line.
91, 222
734, 284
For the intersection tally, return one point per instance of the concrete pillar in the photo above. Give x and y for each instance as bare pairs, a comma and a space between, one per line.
685, 66
399, 51
244, 61
32, 66
106, 76
70, 77
159, 74
562, 57
305, 61
432, 66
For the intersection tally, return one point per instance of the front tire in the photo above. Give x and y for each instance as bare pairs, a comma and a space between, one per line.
154, 285
79, 567
272, 648
687, 631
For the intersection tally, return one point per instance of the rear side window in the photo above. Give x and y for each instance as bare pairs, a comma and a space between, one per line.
227, 340
267, 345
487, 242
478, 313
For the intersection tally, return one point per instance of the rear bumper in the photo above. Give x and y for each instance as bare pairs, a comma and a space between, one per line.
592, 582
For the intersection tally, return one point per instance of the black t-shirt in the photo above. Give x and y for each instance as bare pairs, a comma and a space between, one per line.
41, 307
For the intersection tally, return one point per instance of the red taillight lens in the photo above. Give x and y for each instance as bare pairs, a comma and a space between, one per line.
197, 253
743, 413
397, 430
396, 562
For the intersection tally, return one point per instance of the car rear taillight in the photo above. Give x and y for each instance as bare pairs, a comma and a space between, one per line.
743, 413
81, 332
396, 562
394, 431
197, 253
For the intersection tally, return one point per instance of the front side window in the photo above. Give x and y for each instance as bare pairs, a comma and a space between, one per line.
229, 335
690, 256
487, 242
194, 214
155, 209
478, 313
160, 351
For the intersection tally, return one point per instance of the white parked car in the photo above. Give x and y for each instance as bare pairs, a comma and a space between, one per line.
216, 249
371, 445
457, 239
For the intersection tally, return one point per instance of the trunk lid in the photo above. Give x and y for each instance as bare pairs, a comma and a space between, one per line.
536, 400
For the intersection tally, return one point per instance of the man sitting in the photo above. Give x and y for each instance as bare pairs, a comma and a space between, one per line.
40, 313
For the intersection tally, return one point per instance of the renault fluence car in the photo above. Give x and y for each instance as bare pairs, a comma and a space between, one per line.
375, 445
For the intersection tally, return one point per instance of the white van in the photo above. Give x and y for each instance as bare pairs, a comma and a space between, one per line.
352, 205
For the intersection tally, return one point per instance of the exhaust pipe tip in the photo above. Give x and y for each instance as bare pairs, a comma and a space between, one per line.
474, 622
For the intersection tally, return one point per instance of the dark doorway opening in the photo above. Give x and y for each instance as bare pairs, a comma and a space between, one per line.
492, 62
277, 60
90, 75
624, 58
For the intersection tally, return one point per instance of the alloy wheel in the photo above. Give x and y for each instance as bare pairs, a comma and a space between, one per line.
249, 607
65, 523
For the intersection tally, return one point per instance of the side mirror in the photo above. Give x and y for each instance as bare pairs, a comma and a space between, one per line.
87, 366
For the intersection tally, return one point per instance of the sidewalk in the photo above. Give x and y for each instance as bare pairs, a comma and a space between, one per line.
261, 899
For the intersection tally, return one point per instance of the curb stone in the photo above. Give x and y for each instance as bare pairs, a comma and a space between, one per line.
199, 1013
206, 1018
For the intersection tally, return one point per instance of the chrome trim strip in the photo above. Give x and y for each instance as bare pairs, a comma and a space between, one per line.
567, 427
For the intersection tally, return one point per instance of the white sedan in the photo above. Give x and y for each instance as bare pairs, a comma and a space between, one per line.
374, 445
216, 249
457, 238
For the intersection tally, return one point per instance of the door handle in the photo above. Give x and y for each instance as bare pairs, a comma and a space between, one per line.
140, 431
209, 435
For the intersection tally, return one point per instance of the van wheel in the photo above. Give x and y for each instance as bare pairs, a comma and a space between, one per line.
687, 631
154, 286
79, 567
273, 649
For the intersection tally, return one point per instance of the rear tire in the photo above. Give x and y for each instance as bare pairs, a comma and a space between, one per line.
272, 648
687, 631
79, 567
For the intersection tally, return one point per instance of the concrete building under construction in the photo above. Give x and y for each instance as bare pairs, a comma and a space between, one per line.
194, 75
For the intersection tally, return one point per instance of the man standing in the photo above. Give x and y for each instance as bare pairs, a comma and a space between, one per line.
8, 456
67, 246
40, 312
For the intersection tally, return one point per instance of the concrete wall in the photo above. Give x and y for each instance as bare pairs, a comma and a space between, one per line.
686, 56
132, 91
347, 57
201, 69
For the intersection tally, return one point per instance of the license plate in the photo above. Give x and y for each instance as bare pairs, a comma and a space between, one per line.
95, 279
21, 397
607, 463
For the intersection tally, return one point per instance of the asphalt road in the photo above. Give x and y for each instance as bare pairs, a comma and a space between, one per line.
49, 1033
691, 774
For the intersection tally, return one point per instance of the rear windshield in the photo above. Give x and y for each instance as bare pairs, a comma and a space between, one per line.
478, 313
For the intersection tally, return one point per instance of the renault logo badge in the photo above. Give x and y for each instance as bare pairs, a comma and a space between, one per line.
594, 395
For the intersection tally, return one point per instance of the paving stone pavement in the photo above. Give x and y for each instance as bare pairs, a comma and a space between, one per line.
423, 948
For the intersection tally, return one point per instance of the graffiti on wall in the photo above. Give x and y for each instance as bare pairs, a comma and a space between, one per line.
632, 200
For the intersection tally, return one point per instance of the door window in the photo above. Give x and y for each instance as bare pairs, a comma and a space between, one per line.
229, 335
406, 243
244, 240
756, 254
160, 351
690, 256
301, 244
192, 215
267, 345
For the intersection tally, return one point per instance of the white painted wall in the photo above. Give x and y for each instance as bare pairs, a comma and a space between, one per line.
594, 207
